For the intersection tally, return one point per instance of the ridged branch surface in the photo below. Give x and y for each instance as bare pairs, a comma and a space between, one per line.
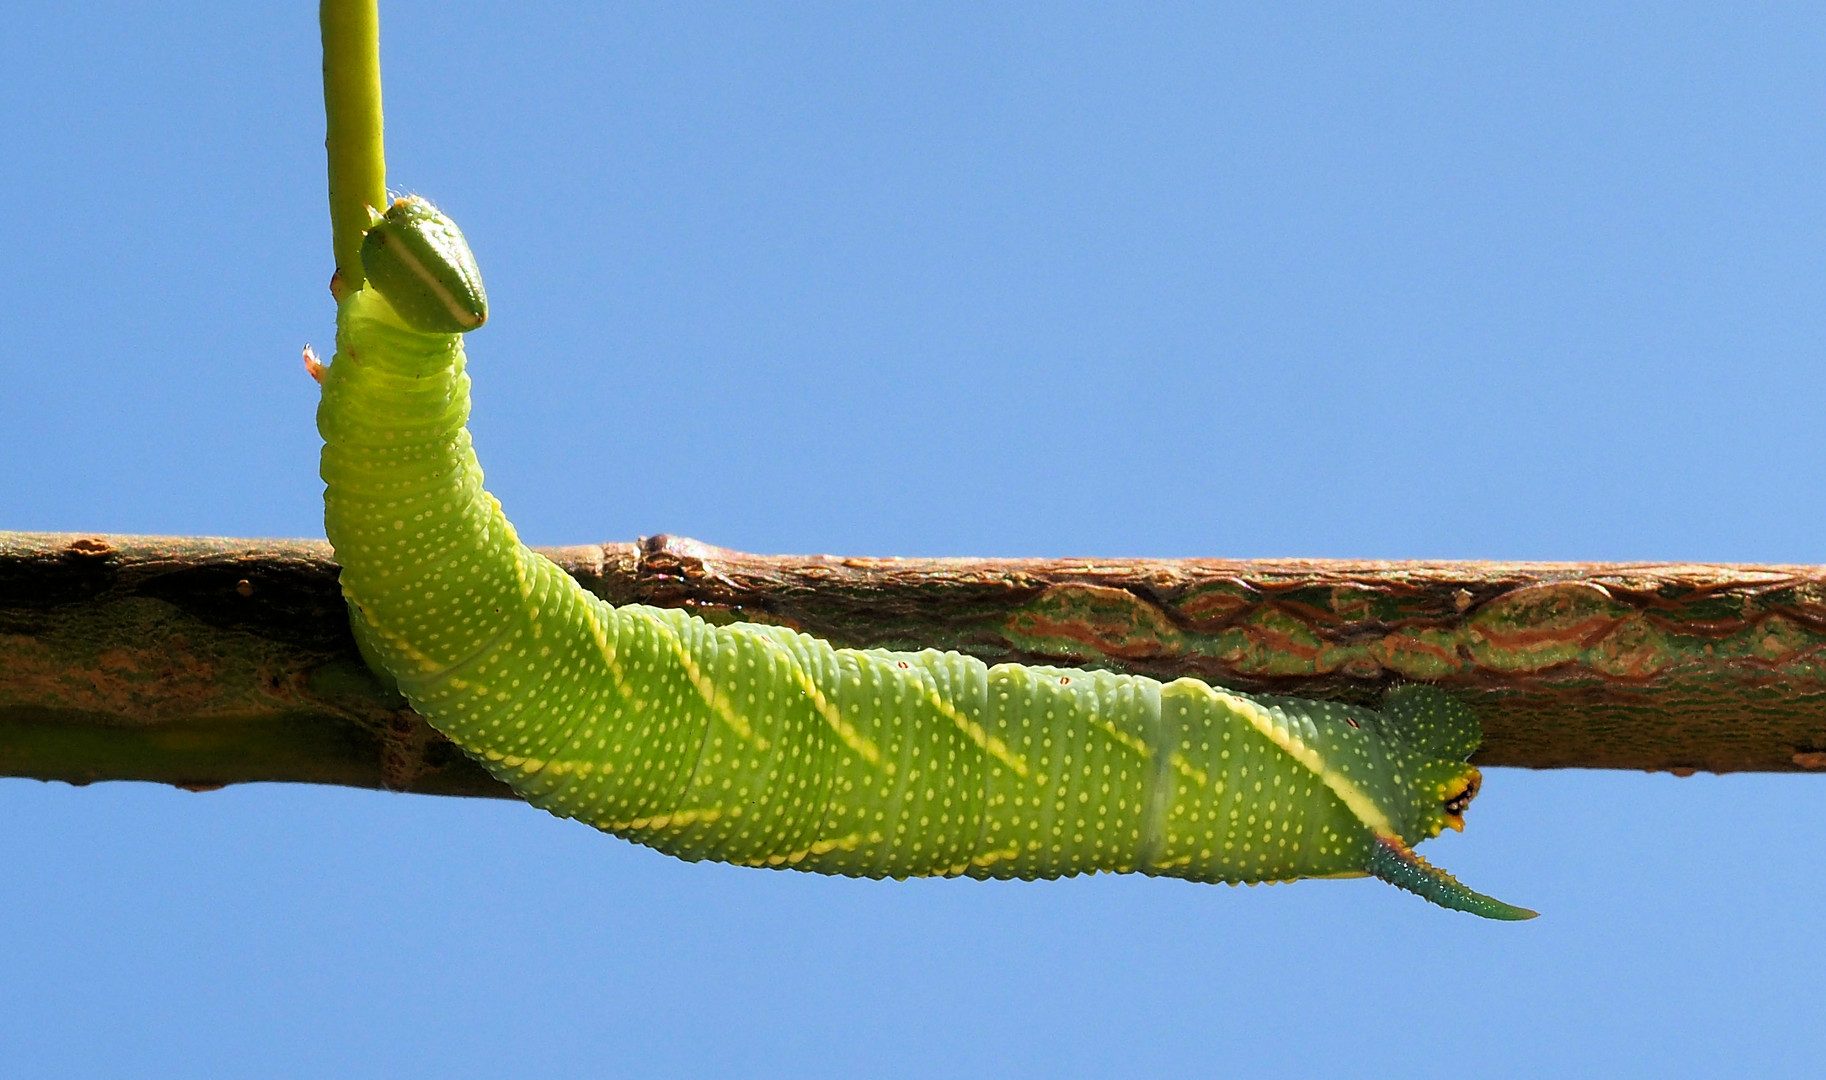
202, 662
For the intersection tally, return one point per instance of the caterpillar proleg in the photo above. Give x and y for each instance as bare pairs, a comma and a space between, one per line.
757, 745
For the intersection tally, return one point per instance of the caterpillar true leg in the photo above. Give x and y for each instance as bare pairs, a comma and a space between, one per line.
757, 745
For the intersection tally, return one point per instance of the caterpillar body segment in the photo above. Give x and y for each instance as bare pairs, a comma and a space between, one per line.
761, 746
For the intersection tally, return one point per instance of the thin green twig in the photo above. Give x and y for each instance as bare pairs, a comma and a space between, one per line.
357, 149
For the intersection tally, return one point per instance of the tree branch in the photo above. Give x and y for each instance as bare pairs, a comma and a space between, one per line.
202, 662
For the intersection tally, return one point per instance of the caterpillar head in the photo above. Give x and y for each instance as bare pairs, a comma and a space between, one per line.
416, 258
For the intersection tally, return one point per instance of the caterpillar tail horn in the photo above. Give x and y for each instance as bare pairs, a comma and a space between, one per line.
1394, 862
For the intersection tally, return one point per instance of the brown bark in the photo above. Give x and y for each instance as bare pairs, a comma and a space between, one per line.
201, 661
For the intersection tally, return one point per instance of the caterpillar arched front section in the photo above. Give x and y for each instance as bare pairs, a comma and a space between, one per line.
757, 745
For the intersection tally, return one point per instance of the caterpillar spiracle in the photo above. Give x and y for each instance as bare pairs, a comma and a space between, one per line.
761, 746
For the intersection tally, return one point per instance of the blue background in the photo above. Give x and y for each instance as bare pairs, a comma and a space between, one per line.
1414, 280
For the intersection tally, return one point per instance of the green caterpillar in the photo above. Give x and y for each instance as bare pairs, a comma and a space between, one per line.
757, 745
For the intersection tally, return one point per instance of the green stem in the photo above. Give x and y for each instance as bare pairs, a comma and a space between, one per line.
357, 150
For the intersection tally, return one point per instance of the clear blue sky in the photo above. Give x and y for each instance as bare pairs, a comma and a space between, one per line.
1415, 280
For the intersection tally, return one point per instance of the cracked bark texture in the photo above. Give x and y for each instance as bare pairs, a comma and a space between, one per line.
201, 662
